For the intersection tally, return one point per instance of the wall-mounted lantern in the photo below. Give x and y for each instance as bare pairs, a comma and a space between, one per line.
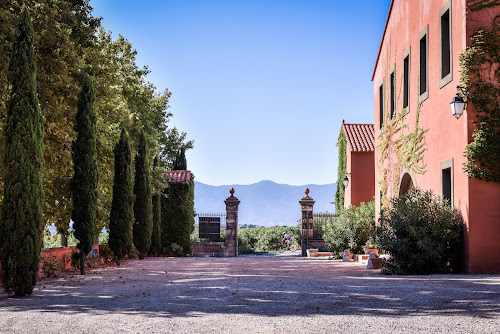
457, 104
346, 179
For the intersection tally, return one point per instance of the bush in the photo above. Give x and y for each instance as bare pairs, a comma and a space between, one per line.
51, 266
106, 253
175, 249
351, 229
266, 239
422, 233
54, 240
75, 259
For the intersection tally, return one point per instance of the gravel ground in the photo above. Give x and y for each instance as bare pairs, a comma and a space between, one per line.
254, 294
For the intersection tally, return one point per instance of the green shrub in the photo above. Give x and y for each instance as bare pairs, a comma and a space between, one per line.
351, 229
51, 240
54, 240
103, 238
175, 249
75, 259
51, 266
422, 233
266, 239
106, 253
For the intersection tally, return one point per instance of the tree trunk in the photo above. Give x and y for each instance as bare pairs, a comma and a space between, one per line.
82, 263
64, 241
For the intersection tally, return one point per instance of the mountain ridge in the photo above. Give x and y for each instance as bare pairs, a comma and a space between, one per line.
264, 203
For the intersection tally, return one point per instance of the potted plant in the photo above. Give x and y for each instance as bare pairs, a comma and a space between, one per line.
370, 246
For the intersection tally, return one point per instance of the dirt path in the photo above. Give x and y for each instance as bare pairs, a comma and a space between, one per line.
254, 294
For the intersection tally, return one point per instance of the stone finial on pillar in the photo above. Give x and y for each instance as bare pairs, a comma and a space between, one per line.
232, 224
306, 208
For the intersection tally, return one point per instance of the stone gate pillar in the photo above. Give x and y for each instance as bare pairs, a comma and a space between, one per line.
306, 207
232, 224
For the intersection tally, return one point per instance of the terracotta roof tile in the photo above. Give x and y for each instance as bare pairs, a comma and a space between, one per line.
359, 137
179, 176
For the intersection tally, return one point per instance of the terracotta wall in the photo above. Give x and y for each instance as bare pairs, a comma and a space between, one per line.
446, 137
362, 181
61, 253
484, 197
484, 227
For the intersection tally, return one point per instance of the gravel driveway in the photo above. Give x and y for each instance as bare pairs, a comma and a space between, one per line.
254, 294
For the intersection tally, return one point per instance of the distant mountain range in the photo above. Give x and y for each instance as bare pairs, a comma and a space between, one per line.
265, 203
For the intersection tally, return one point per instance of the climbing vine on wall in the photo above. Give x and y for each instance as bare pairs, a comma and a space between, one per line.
399, 147
476, 5
480, 75
340, 193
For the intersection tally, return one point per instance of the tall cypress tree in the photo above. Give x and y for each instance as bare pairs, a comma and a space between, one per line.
155, 247
180, 162
84, 182
122, 214
143, 215
22, 218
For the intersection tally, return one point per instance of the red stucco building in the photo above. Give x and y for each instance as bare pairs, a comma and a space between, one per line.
418, 61
360, 165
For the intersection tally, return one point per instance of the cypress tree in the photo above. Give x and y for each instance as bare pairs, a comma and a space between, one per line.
22, 218
155, 247
84, 182
180, 162
122, 214
143, 215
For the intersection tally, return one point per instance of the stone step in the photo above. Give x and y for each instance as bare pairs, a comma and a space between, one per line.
325, 254
360, 258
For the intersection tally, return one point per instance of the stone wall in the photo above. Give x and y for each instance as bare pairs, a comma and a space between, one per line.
61, 253
212, 249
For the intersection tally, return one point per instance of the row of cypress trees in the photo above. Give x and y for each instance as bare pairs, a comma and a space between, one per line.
131, 220
143, 223
22, 217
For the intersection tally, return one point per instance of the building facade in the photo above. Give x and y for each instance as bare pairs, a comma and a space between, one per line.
360, 165
419, 143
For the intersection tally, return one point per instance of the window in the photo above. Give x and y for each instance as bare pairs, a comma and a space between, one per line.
445, 28
406, 80
393, 95
381, 104
447, 180
423, 68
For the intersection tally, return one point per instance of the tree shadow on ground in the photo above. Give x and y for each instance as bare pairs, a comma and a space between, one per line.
269, 286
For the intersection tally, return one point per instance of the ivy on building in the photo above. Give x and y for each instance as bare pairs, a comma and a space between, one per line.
177, 211
480, 76
399, 147
476, 5
340, 193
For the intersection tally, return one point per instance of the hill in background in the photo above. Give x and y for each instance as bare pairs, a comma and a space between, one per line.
265, 203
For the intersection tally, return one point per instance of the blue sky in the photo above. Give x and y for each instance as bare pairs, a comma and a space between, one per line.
260, 86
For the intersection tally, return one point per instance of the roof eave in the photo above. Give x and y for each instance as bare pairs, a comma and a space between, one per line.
382, 41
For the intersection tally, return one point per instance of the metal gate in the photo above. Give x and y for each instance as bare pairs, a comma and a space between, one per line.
210, 225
